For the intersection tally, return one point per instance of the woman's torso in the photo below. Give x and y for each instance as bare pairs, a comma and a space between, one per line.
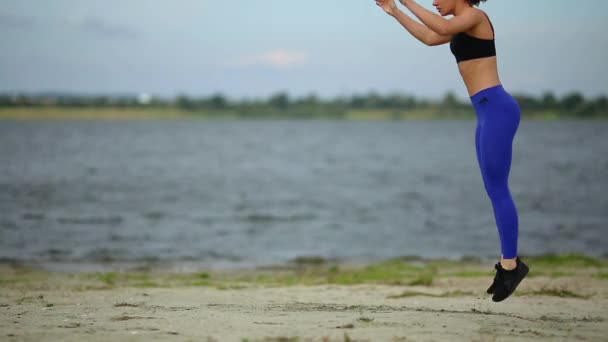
480, 73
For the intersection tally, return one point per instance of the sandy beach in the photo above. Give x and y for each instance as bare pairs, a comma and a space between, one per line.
550, 305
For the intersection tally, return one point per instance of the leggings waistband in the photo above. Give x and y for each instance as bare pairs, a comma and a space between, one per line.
487, 92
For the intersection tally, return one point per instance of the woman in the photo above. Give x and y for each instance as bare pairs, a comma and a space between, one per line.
471, 37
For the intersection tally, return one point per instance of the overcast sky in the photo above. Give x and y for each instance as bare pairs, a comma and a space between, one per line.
259, 47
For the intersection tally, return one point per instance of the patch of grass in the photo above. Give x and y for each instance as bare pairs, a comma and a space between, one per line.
469, 274
278, 279
89, 113
423, 280
549, 273
135, 279
558, 274
203, 282
563, 260
309, 271
134, 276
146, 283
456, 293
8, 281
602, 275
391, 272
19, 278
230, 287
368, 114
108, 277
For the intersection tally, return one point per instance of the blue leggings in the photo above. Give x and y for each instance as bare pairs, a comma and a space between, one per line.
498, 116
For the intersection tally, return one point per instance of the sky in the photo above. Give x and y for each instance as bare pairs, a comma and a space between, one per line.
256, 48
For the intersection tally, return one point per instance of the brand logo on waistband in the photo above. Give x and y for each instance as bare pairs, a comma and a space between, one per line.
483, 100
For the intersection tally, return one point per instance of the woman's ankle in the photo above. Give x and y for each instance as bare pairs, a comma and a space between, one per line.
508, 264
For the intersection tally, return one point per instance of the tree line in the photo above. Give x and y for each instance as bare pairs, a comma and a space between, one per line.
573, 104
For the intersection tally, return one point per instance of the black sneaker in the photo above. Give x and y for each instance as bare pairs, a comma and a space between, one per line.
506, 281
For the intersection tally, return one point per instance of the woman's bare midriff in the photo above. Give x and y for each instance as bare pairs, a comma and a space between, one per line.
479, 74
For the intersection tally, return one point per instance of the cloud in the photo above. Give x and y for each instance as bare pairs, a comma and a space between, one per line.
99, 27
16, 22
278, 58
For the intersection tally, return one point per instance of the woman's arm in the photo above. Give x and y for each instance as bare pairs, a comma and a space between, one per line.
421, 32
441, 26
416, 29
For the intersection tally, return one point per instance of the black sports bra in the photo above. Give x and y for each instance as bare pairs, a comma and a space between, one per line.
466, 47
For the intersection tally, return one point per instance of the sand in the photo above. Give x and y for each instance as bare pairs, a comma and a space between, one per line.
57, 309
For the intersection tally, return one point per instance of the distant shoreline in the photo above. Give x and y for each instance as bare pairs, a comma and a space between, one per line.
59, 113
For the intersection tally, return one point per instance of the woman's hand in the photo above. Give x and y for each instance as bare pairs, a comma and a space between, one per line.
388, 6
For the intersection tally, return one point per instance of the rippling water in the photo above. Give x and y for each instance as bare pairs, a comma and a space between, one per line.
247, 193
